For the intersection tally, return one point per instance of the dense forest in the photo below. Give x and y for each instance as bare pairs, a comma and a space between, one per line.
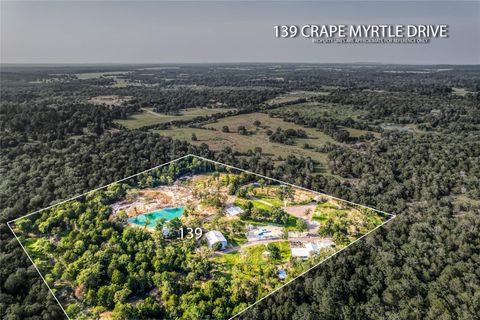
56, 144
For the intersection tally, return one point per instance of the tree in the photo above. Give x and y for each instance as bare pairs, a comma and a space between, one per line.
194, 137
274, 251
147, 222
174, 226
285, 192
73, 310
261, 182
301, 225
242, 130
284, 233
117, 277
225, 129
241, 192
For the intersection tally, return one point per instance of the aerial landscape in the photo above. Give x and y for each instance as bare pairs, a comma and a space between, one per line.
176, 236
239, 160
401, 139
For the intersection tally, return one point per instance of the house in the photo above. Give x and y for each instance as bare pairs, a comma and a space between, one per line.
215, 236
299, 249
233, 211
304, 250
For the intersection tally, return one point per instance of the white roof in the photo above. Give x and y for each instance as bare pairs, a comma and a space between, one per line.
300, 252
311, 248
233, 211
324, 243
215, 236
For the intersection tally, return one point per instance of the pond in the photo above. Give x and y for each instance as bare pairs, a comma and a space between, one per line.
168, 214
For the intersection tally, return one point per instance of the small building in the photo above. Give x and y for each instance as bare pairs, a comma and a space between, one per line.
165, 231
300, 252
282, 274
215, 236
304, 250
233, 211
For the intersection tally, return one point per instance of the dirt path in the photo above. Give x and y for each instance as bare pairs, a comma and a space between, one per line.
299, 212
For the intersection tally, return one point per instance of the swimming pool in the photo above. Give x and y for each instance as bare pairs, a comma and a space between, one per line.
168, 213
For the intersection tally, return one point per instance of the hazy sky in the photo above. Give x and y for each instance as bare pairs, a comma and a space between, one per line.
162, 32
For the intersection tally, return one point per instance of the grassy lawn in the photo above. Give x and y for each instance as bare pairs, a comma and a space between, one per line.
238, 240
96, 75
254, 255
320, 217
272, 200
290, 225
229, 259
461, 91
149, 117
357, 132
326, 205
296, 95
259, 205
218, 140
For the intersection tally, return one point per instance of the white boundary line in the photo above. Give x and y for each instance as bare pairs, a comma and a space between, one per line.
293, 185
41, 276
330, 256
219, 163
102, 187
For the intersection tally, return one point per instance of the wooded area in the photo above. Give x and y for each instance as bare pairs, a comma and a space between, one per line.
403, 142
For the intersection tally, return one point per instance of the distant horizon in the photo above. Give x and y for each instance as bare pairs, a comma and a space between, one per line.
224, 63
139, 32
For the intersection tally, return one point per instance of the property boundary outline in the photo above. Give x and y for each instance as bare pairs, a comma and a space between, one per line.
392, 216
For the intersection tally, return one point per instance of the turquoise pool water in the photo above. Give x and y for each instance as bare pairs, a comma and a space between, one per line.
168, 213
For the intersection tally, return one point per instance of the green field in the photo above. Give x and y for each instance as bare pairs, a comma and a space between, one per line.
253, 255
357, 132
96, 75
217, 140
274, 201
326, 109
296, 95
149, 117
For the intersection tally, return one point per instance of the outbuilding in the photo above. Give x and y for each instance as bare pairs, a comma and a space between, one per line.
233, 211
214, 237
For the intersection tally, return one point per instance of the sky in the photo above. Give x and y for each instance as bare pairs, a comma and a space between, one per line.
227, 31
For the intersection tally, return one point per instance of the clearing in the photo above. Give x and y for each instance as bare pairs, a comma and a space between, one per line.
149, 117
217, 139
